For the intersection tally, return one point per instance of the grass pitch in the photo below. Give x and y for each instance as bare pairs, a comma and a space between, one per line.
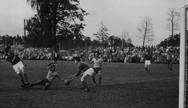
124, 86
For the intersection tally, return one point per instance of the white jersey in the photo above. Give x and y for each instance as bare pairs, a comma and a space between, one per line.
51, 75
97, 62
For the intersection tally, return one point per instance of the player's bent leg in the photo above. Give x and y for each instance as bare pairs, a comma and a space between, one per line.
85, 86
94, 81
149, 68
146, 68
100, 77
145, 65
83, 78
90, 72
47, 85
22, 80
36, 83
21, 68
41, 83
18, 72
26, 78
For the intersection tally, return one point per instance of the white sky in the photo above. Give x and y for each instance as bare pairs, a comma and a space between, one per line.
118, 15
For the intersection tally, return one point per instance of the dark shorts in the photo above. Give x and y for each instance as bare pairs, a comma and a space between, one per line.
55, 58
169, 61
97, 69
44, 81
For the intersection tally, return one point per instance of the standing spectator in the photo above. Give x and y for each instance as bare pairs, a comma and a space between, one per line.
169, 61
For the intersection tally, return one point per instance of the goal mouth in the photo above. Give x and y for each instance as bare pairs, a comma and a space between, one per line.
183, 78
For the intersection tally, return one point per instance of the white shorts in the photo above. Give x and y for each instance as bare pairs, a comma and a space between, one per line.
147, 62
89, 72
19, 67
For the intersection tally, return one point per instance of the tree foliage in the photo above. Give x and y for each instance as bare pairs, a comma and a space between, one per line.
173, 20
8, 40
118, 42
102, 34
55, 17
173, 41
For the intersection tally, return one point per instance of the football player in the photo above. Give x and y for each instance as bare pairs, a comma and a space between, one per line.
97, 66
51, 75
86, 72
18, 65
148, 58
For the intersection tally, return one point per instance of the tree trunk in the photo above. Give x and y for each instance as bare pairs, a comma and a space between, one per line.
172, 27
54, 23
145, 33
144, 41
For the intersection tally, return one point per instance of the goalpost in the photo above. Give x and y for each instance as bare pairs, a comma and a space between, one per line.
183, 60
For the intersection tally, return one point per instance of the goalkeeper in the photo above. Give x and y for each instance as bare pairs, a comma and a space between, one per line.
51, 75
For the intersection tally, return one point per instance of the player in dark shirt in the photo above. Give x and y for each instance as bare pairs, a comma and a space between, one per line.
82, 67
148, 57
18, 66
12, 58
87, 71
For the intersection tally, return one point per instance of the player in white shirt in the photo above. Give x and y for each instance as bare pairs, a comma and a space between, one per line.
97, 66
51, 75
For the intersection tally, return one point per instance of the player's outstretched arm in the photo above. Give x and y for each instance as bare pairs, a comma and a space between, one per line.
77, 74
23, 63
72, 77
58, 77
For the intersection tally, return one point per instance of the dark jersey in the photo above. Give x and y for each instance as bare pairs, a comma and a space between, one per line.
82, 67
169, 57
148, 57
12, 58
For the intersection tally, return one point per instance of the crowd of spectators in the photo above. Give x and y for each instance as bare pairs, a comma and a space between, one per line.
109, 54
133, 54
36, 54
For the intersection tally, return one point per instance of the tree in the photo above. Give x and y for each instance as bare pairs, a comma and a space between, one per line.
102, 34
87, 41
114, 41
8, 40
129, 41
146, 30
57, 16
173, 20
35, 37
124, 36
173, 41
